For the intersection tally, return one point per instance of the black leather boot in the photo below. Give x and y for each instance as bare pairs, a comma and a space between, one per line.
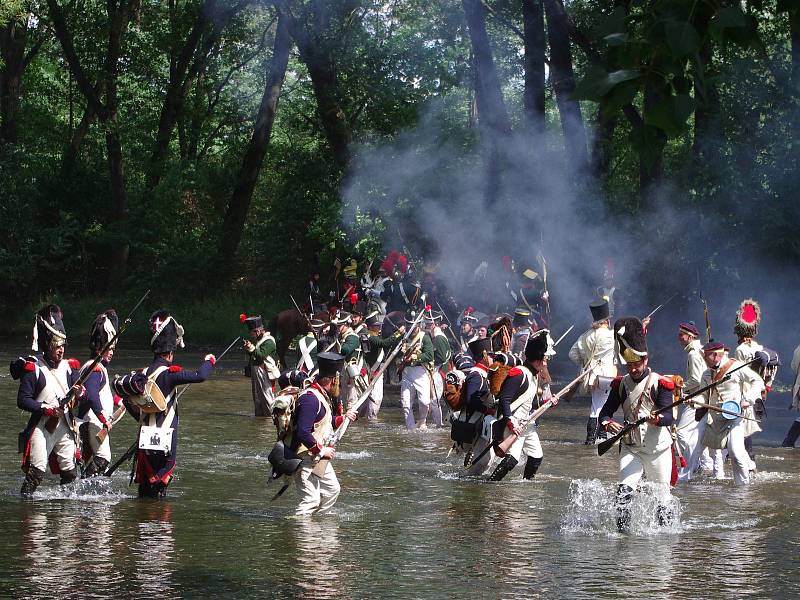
591, 431
96, 466
531, 466
32, 480
792, 435
624, 494
506, 465
68, 476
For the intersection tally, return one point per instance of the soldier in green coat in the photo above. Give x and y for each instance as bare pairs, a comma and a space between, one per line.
262, 365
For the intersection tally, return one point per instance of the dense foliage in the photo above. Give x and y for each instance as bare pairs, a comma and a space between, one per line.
142, 142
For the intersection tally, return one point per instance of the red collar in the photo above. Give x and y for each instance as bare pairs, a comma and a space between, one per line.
325, 394
482, 367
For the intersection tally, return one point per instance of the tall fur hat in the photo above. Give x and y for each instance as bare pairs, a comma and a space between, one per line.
478, 346
748, 316
105, 327
537, 345
48, 328
167, 333
630, 339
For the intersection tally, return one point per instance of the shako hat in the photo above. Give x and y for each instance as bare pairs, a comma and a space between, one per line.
48, 329
167, 333
522, 316
105, 327
283, 460
630, 338
536, 348
330, 363
359, 308
748, 316
292, 378
690, 328
463, 361
478, 346
373, 320
253, 322
600, 310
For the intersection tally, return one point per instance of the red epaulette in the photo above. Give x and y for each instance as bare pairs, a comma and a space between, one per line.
74, 363
175, 368
666, 383
616, 381
514, 371
97, 368
30, 365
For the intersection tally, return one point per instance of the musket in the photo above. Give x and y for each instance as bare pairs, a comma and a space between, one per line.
605, 445
224, 352
705, 314
571, 327
544, 274
660, 306
449, 323
340, 431
128, 454
52, 422
505, 444
103, 433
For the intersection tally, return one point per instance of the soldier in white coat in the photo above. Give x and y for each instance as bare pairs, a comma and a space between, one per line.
744, 387
49, 437
646, 450
689, 430
596, 347
97, 407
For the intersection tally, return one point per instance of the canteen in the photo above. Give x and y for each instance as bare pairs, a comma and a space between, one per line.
732, 406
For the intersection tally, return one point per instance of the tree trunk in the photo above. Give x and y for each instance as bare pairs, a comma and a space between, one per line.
535, 43
707, 109
175, 98
239, 205
492, 113
118, 256
563, 78
12, 56
603, 144
315, 51
794, 31
76, 141
651, 151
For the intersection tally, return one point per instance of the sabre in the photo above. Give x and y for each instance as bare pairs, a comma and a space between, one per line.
224, 352
660, 306
571, 327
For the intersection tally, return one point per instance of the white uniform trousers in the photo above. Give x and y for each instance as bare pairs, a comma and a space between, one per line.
370, 408
60, 441
656, 466
436, 398
316, 494
688, 435
482, 465
600, 393
740, 460
348, 390
100, 449
416, 384
527, 445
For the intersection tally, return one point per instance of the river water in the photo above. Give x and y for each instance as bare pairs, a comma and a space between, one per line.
407, 524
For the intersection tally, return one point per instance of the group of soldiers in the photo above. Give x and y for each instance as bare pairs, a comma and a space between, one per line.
485, 377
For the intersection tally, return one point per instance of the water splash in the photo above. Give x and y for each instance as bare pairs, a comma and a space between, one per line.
353, 455
94, 489
592, 508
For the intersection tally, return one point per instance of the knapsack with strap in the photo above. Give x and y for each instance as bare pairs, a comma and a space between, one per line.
141, 390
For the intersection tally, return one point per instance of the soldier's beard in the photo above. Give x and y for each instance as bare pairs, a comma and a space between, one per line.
334, 392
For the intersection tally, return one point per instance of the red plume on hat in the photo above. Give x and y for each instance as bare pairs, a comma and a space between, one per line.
402, 262
353, 298
242, 317
390, 260
747, 318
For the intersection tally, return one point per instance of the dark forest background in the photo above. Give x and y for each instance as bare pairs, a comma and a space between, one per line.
207, 149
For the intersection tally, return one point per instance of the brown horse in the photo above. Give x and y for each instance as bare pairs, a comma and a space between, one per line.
287, 325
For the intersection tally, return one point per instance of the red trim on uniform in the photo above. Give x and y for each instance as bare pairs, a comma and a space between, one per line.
616, 381
510, 425
666, 383
74, 363
314, 450
175, 368
482, 367
102, 418
97, 368
117, 400
29, 365
514, 371
145, 472
26, 456
337, 421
